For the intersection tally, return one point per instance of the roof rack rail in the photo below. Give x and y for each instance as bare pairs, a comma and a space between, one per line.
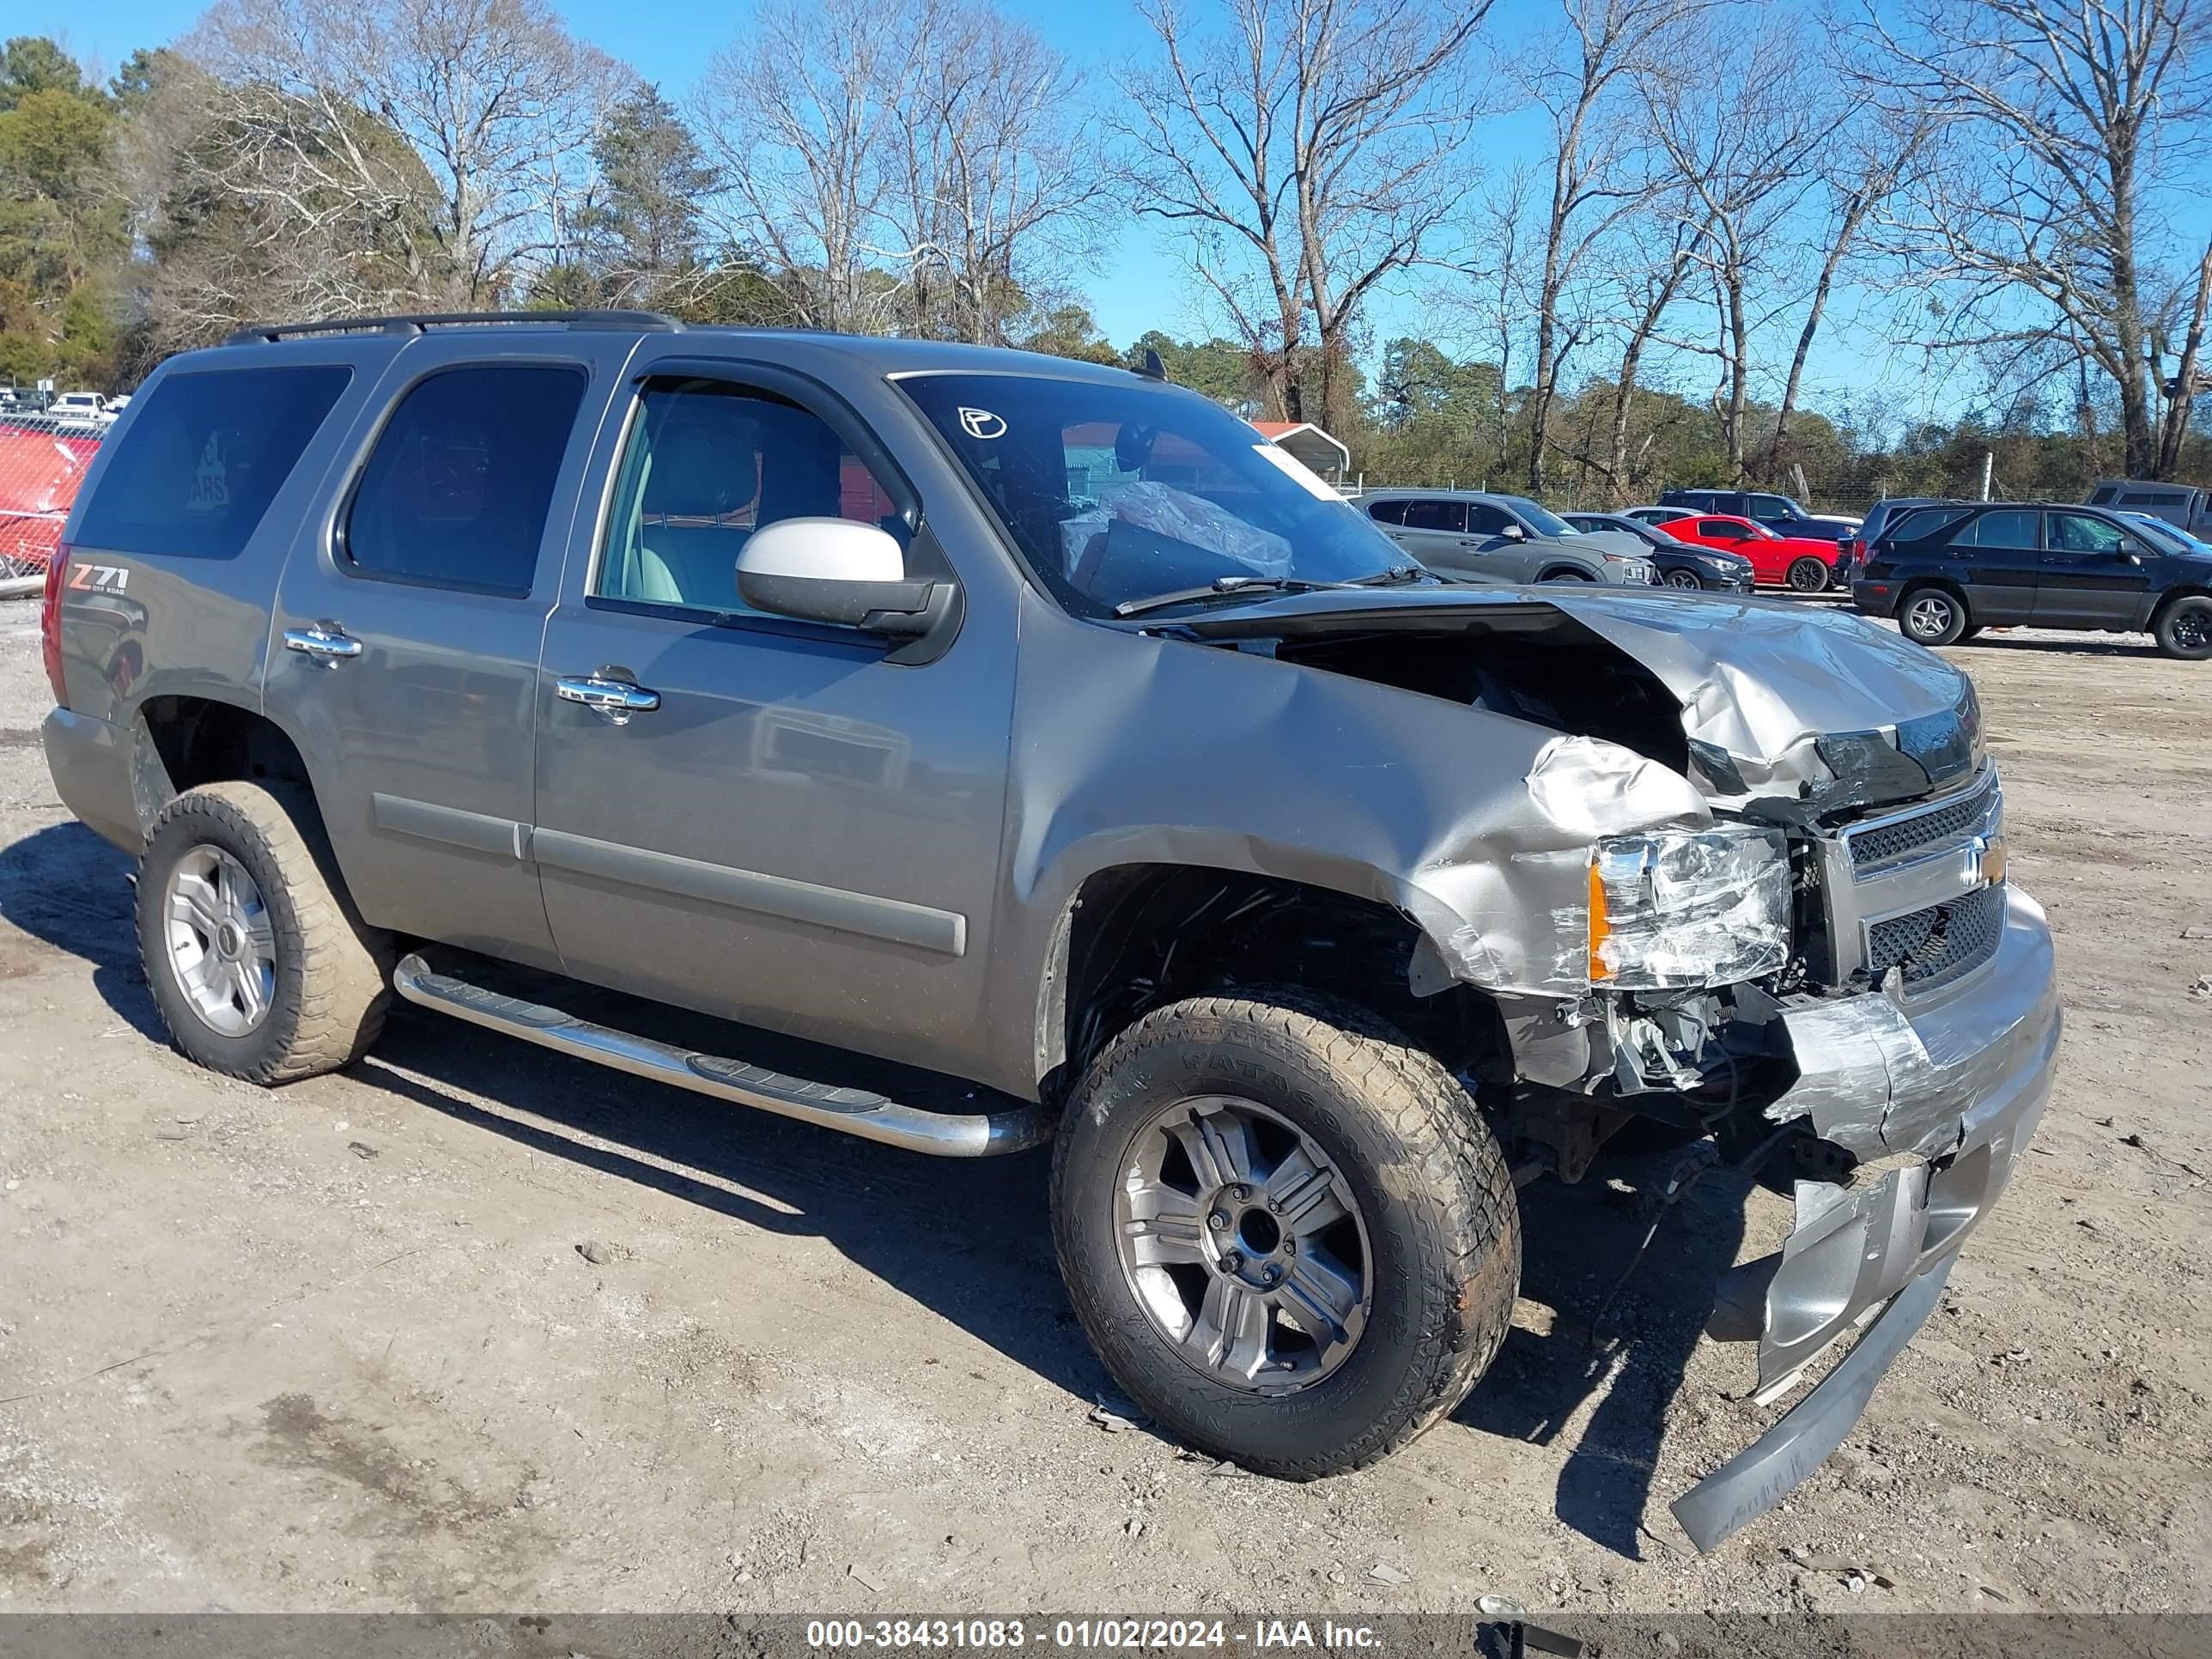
418, 322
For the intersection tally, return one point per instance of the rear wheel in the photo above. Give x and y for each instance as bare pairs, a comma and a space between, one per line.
2183, 630
1932, 615
257, 962
1809, 575
1289, 1233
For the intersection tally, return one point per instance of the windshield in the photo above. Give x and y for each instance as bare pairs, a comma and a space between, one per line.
2158, 530
1546, 522
1118, 494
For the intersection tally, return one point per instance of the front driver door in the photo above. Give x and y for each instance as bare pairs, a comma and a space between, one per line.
2093, 574
787, 828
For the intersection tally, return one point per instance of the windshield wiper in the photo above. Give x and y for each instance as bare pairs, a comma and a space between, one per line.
1222, 587
1397, 575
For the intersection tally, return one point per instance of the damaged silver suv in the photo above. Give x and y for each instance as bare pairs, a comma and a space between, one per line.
970, 750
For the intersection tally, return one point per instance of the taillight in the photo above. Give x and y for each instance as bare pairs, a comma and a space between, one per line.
50, 623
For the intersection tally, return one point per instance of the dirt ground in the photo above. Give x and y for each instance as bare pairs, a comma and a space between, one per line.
473, 1327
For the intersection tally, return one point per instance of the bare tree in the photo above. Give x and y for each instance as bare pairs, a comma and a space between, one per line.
1671, 245
1871, 154
1582, 78
1001, 179
254, 205
802, 115
496, 100
1740, 119
2064, 134
1312, 149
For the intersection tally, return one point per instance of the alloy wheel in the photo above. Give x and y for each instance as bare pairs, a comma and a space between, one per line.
220, 941
1682, 579
1928, 617
1243, 1245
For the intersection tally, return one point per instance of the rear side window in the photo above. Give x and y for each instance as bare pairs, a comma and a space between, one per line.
1916, 524
1449, 516
456, 491
200, 463
2010, 529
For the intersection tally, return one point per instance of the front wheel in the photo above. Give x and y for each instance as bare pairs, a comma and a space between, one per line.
1932, 615
1809, 575
1682, 579
2183, 630
1288, 1233
1567, 576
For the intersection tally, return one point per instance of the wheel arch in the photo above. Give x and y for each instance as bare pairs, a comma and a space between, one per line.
1135, 936
1920, 584
180, 742
2173, 596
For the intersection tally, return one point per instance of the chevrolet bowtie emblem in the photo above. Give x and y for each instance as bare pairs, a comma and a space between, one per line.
1988, 853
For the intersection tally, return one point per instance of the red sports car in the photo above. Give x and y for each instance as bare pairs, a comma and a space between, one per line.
1800, 562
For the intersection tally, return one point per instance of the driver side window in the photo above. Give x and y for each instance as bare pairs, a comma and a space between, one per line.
705, 465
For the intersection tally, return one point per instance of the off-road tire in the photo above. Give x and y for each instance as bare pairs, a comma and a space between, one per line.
2183, 630
1434, 1195
1953, 624
1809, 575
332, 971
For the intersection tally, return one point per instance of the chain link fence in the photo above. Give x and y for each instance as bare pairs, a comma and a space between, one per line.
43, 459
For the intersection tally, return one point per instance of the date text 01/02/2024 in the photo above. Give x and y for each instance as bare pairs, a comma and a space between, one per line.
1149, 1634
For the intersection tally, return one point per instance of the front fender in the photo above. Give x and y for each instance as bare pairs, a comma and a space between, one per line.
1134, 750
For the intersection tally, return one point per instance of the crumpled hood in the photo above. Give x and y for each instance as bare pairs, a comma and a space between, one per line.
1792, 711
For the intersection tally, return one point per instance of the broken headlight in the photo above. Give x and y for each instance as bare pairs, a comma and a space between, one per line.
1683, 909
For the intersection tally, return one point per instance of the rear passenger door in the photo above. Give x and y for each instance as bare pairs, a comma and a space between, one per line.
405, 647
1999, 563
1435, 529
2093, 574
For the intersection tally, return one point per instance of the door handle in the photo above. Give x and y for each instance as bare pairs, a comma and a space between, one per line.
325, 642
616, 699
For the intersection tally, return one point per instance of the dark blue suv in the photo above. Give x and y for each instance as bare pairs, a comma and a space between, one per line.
1946, 572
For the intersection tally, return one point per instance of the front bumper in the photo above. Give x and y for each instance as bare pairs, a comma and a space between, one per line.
1945, 1094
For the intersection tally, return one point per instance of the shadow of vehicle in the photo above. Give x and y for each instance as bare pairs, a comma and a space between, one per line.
1625, 1345
971, 1240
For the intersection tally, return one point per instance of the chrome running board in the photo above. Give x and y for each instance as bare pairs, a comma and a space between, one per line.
850, 1111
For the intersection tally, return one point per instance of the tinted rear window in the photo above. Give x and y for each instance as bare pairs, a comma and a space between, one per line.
456, 491
1916, 522
200, 463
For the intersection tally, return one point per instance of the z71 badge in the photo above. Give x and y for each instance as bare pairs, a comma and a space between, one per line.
99, 578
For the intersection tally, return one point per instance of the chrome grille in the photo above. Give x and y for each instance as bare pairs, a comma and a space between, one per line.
1900, 838
1934, 946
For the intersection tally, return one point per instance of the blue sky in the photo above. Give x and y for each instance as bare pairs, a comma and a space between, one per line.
1139, 283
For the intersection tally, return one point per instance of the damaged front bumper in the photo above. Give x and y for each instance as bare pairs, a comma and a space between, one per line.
1937, 1099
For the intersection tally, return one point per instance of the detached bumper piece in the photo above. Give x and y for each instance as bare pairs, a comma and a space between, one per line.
1775, 1465
1936, 1097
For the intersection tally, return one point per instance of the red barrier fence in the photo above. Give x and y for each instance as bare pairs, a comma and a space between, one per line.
42, 461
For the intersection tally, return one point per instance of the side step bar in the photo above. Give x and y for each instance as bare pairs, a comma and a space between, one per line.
850, 1111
